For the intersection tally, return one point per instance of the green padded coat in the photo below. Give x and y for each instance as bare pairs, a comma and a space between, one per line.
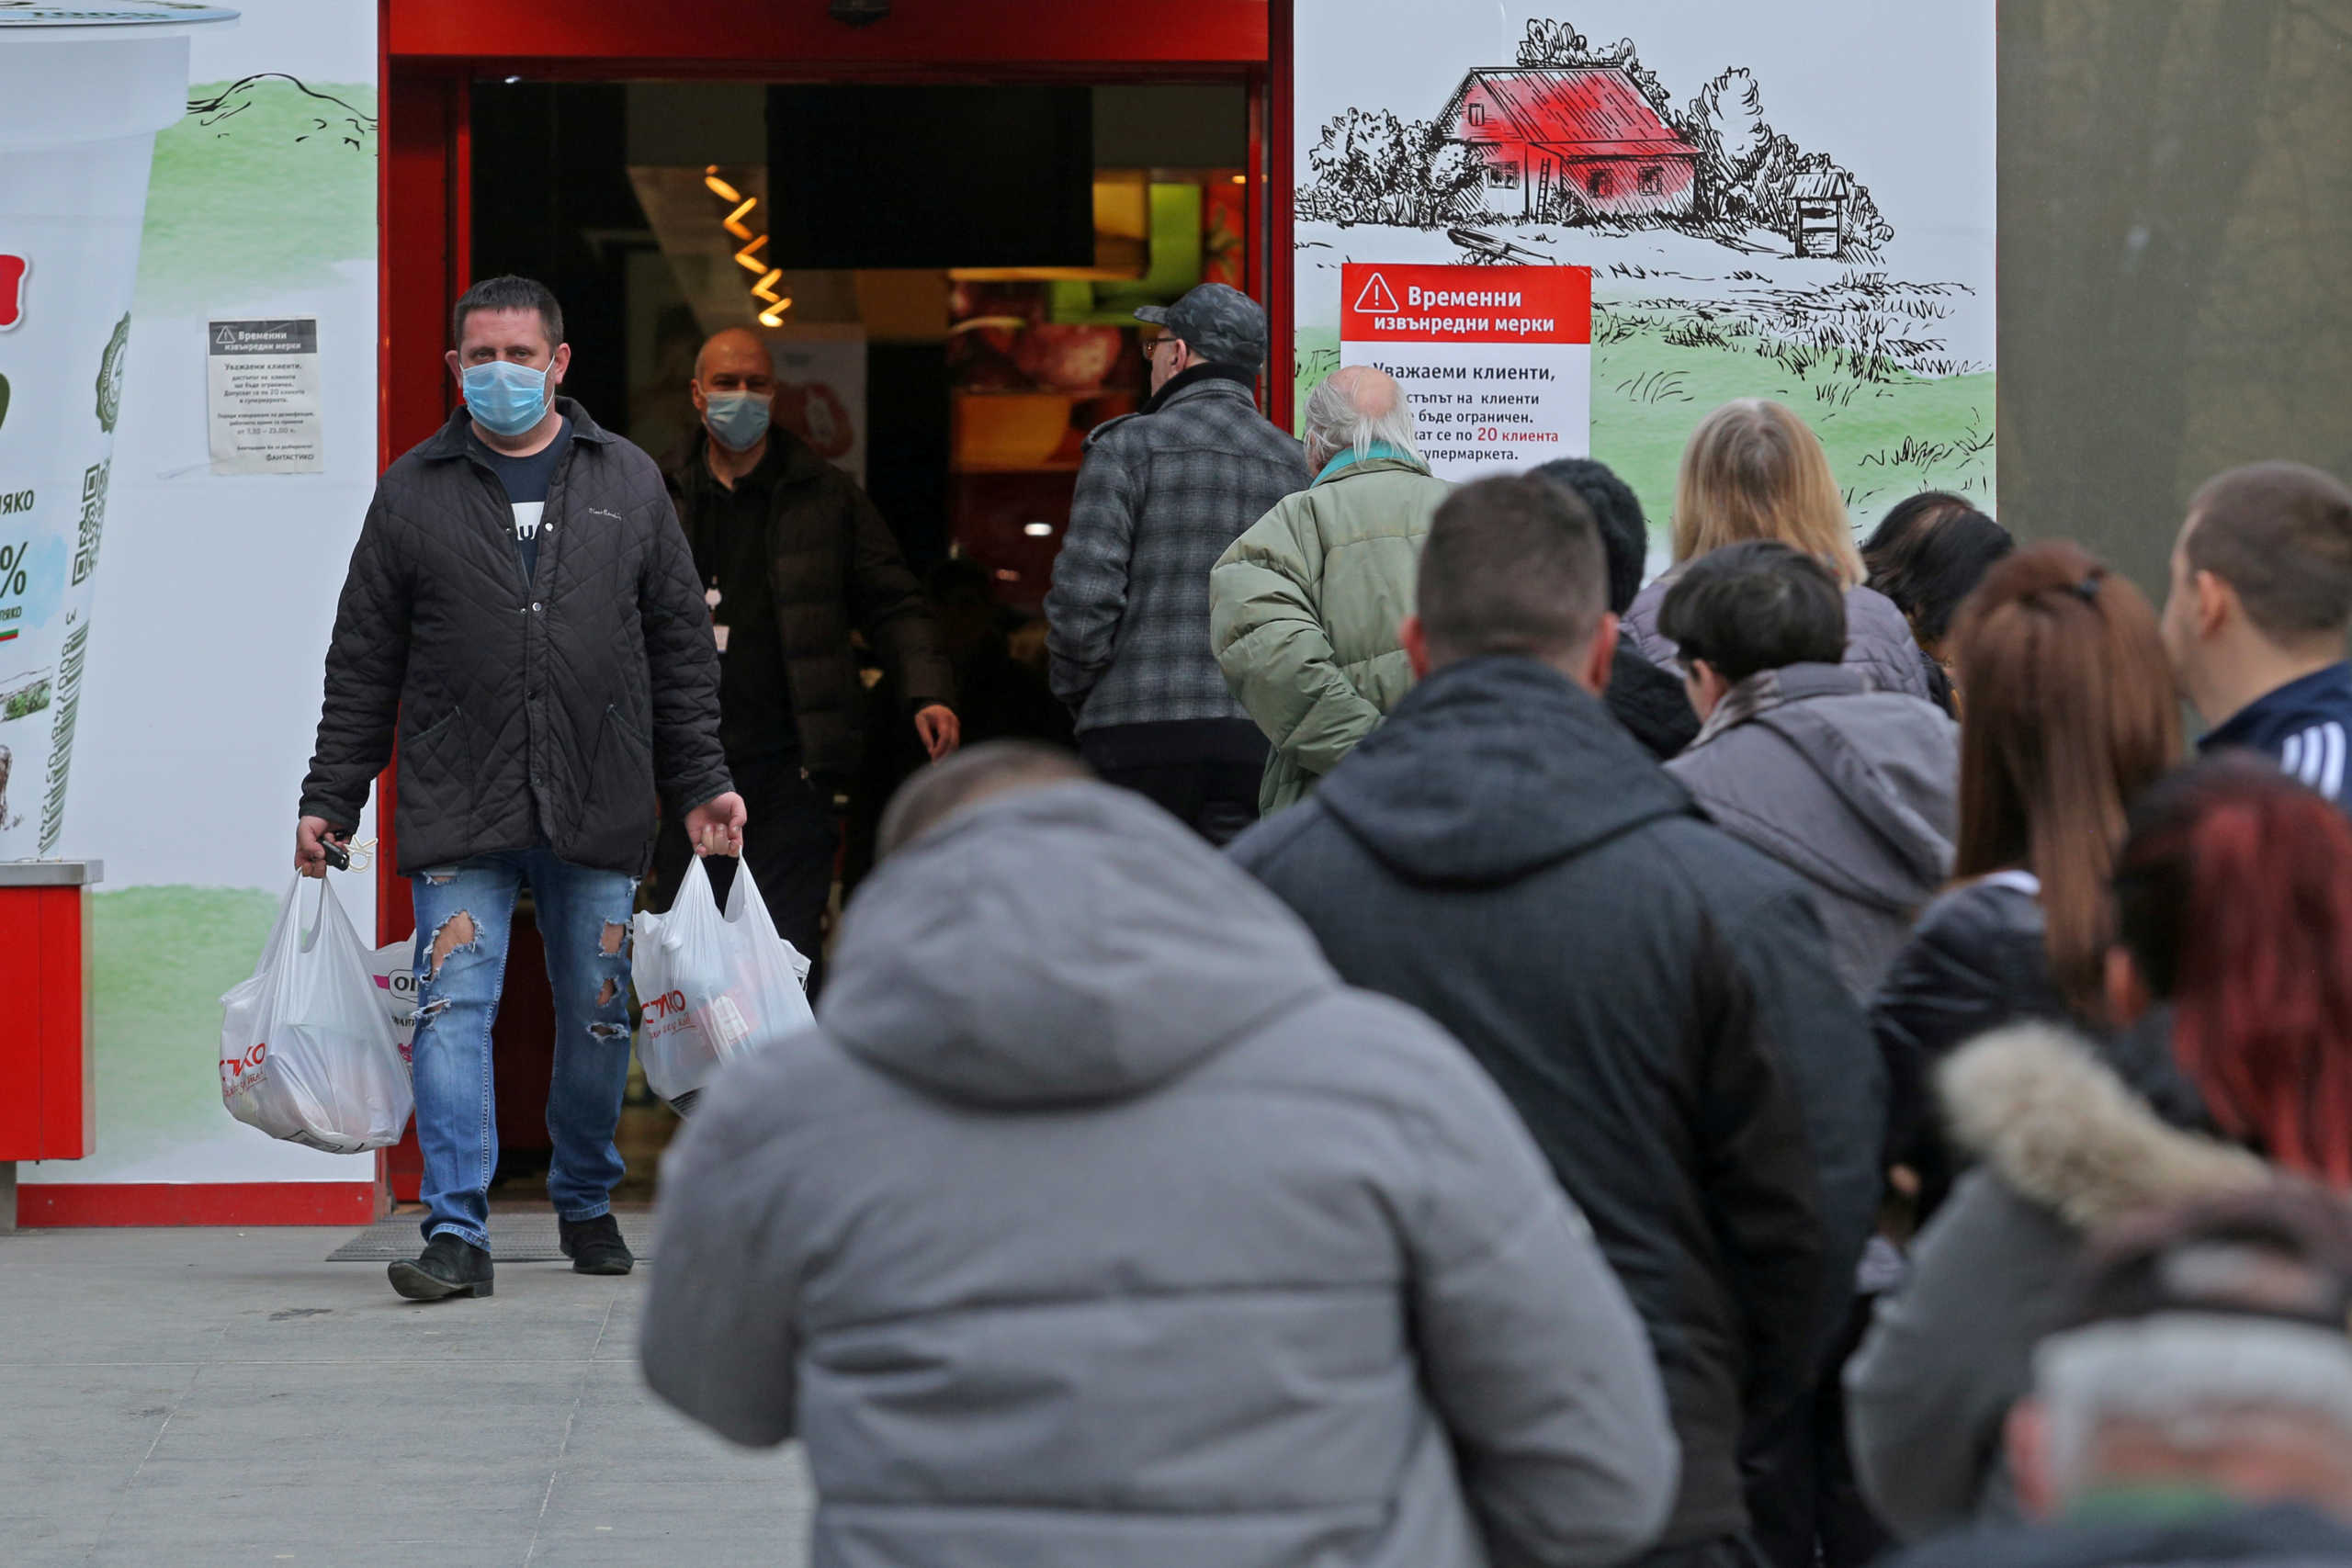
1304, 609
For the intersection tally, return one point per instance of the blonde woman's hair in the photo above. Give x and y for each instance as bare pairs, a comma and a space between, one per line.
1753, 470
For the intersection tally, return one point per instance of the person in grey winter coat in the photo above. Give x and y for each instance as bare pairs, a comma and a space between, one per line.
2230, 913
2195, 1404
1096, 1222
1653, 996
1850, 787
1878, 640
2065, 1147
1161, 496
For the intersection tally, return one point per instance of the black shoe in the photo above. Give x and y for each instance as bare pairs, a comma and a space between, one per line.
449, 1267
594, 1246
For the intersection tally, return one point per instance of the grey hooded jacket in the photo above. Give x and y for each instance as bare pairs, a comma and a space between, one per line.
1852, 789
1096, 1222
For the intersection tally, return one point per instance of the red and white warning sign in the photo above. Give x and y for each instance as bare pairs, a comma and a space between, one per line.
1496, 360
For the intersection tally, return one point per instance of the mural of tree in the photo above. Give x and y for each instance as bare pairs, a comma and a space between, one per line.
1372, 167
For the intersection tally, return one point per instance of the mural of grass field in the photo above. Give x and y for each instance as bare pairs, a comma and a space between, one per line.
266, 184
161, 956
1659, 366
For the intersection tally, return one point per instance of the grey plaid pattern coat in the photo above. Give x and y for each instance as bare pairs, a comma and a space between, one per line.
1160, 497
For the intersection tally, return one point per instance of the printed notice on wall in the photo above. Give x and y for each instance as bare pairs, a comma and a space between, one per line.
1497, 361
262, 380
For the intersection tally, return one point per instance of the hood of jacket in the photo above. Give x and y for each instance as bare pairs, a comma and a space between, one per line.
2285, 1534
1494, 768
1889, 759
1060, 946
2059, 1126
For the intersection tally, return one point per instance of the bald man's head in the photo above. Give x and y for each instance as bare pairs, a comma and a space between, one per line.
1356, 408
733, 390
735, 352
1370, 390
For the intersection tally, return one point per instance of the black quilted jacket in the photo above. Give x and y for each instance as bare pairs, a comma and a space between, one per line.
553, 707
837, 567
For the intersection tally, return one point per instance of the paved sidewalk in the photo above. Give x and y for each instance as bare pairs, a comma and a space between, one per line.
193, 1397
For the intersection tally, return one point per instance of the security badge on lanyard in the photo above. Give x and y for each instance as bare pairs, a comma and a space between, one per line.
717, 632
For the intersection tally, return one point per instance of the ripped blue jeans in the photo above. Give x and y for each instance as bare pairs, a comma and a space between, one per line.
463, 912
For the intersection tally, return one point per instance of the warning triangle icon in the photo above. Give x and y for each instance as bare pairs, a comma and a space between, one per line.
1377, 299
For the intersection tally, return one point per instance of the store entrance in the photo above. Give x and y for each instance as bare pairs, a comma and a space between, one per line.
947, 345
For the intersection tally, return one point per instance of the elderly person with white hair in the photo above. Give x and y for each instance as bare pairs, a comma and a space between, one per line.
1304, 608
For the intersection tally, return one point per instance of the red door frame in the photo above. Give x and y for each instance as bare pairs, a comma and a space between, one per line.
432, 50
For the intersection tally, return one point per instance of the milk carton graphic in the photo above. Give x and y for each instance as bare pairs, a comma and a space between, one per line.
84, 88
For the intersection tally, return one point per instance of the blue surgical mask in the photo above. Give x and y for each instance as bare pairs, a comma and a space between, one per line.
504, 397
738, 420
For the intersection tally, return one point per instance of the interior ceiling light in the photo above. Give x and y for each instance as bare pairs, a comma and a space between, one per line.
748, 257
1038, 530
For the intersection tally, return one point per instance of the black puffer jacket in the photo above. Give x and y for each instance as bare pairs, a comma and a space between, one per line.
1974, 961
1655, 997
835, 566
549, 708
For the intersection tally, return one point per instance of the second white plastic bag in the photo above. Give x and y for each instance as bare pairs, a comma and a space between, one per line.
307, 1053
712, 985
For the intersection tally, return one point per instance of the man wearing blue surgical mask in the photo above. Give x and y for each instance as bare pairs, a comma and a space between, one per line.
793, 557
523, 614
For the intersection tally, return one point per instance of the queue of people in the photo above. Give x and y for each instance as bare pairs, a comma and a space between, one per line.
1889, 1103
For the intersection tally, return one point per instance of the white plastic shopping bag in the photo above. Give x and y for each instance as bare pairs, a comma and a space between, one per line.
393, 969
307, 1052
712, 985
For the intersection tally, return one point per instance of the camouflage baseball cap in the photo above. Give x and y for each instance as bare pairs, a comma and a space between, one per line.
1224, 325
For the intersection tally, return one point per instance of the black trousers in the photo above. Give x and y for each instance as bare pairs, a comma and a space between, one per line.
1205, 773
1723, 1552
1802, 1491
791, 839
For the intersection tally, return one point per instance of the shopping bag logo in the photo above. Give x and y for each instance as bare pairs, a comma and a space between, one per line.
12, 289
234, 1068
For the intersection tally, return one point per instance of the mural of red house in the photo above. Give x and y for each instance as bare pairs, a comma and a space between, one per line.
1565, 143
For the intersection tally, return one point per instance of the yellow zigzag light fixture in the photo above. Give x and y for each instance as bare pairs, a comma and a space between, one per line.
749, 257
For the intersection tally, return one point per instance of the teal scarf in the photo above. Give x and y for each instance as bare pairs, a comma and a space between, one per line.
1379, 449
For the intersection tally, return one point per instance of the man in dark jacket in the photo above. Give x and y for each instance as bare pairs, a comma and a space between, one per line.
791, 556
1649, 701
1655, 997
2260, 605
1162, 493
2198, 1406
522, 605
1096, 1222
1850, 787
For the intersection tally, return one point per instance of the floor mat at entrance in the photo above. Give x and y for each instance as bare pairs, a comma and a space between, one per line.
514, 1239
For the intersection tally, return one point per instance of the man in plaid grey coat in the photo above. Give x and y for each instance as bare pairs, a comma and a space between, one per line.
1162, 493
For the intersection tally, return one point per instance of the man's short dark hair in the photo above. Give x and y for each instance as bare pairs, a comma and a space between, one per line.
973, 774
2280, 534
1512, 565
1624, 533
508, 293
1755, 605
